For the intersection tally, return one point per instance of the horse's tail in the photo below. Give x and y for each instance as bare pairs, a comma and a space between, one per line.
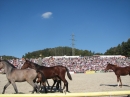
43, 79
68, 73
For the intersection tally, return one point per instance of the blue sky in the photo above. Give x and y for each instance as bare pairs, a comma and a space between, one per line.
31, 25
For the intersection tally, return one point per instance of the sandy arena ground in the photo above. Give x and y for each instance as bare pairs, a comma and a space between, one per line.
81, 83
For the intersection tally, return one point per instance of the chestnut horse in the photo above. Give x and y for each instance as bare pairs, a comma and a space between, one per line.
50, 72
119, 71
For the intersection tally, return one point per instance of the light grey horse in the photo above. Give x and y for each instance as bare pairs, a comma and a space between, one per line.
17, 75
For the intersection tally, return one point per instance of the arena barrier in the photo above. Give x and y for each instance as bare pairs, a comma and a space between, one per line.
89, 94
90, 72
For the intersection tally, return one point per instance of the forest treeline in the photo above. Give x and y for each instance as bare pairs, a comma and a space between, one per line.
7, 57
120, 49
57, 51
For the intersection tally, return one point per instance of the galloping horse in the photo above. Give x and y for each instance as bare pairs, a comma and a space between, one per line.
50, 72
119, 71
17, 75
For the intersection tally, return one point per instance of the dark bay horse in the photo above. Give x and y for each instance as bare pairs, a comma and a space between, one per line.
50, 72
17, 75
119, 71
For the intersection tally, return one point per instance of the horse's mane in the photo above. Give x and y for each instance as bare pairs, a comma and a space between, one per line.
33, 63
113, 64
6, 61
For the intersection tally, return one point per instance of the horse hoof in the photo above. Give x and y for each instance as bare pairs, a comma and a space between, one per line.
64, 91
68, 91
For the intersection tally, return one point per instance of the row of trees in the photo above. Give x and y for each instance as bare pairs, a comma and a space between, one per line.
57, 51
7, 57
121, 49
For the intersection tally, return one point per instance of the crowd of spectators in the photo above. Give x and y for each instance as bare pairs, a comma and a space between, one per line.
82, 64
77, 64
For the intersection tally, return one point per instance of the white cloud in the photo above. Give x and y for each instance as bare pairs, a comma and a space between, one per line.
47, 14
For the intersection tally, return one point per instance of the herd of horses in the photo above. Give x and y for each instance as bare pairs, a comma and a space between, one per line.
39, 74
34, 75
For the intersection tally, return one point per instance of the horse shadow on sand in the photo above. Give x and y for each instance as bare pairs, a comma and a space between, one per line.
54, 90
42, 91
113, 85
20, 93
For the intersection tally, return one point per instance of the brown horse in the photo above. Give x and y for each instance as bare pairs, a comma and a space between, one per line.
17, 75
50, 72
119, 71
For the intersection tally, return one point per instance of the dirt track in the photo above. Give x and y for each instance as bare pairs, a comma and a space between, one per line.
80, 83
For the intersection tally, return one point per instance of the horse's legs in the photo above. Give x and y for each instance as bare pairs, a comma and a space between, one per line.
65, 84
15, 87
117, 80
40, 86
54, 80
33, 85
64, 87
6, 87
48, 84
120, 82
44, 85
37, 83
58, 84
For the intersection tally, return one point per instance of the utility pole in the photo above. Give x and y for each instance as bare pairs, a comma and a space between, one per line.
73, 49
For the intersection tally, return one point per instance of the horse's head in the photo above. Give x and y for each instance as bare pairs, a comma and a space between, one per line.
110, 66
26, 64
